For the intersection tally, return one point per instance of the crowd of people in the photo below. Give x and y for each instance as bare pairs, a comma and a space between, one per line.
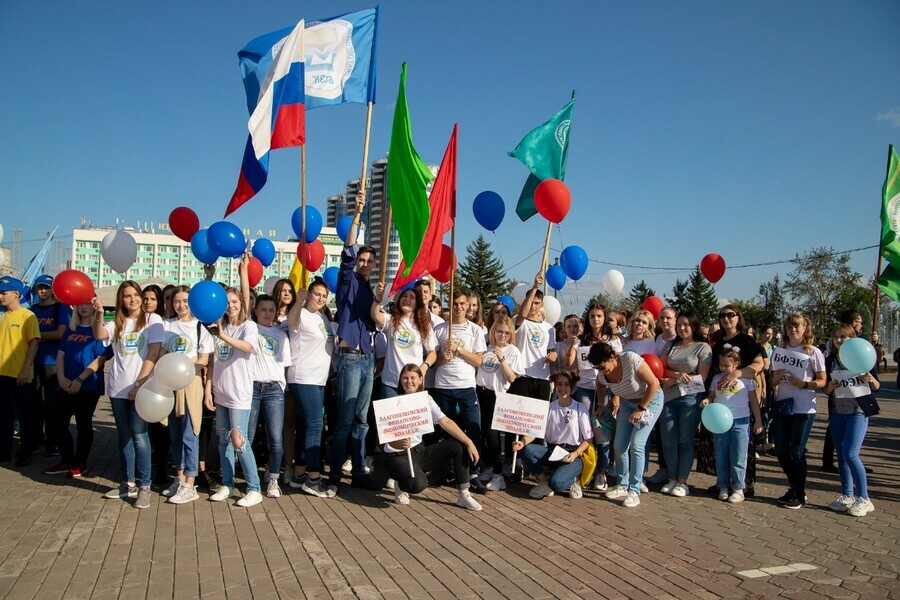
282, 382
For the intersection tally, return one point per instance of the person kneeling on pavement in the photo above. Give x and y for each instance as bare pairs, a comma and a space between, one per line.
459, 451
568, 431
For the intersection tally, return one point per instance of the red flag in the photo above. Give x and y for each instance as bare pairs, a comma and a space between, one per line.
442, 204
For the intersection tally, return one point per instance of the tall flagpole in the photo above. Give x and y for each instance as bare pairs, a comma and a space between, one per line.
546, 257
303, 275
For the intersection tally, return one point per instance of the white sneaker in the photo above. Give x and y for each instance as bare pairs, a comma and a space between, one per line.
496, 484
658, 477
842, 503
173, 488
224, 493
541, 490
575, 491
736, 497
390, 485
466, 501
670, 485
186, 493
617, 493
400, 497
681, 490
723, 494
644, 489
861, 507
632, 499
347, 467
600, 483
486, 475
251, 498
272, 489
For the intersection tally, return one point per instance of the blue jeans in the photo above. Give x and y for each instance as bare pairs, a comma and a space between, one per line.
631, 443
355, 374
134, 443
791, 434
310, 401
678, 427
586, 397
389, 391
268, 396
228, 419
563, 474
461, 405
848, 432
731, 455
183, 444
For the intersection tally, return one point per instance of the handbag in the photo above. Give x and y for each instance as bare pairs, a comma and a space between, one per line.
783, 407
868, 405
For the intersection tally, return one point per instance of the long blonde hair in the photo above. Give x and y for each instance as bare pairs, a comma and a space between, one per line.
75, 321
808, 338
651, 327
242, 314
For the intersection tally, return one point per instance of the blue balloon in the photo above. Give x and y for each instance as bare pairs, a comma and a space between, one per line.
331, 278
264, 251
509, 302
208, 301
201, 249
489, 209
313, 223
574, 262
717, 418
857, 355
343, 227
556, 277
226, 239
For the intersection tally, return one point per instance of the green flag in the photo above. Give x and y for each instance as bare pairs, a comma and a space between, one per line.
407, 179
544, 151
890, 211
889, 282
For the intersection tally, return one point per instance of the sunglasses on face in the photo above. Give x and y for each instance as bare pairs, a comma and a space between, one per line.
727, 315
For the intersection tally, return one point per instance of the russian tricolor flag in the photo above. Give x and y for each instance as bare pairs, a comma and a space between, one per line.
278, 120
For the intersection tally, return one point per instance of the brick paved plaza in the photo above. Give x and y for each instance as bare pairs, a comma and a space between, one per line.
60, 539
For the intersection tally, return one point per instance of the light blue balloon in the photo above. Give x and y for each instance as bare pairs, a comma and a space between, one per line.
208, 301
857, 355
201, 249
330, 276
717, 418
556, 277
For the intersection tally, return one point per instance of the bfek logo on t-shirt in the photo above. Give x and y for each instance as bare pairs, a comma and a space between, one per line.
536, 338
326, 332
268, 345
489, 362
224, 351
404, 338
132, 343
179, 344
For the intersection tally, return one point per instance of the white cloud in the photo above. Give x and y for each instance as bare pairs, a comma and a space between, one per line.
892, 116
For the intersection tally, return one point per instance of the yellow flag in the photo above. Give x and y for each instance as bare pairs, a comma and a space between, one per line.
299, 276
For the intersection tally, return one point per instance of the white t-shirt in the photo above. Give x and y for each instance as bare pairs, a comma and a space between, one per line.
129, 352
181, 337
312, 345
801, 364
272, 356
490, 374
458, 373
640, 347
404, 345
415, 440
578, 428
736, 397
534, 340
232, 380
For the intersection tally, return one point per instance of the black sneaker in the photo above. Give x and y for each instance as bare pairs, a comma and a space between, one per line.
793, 503
476, 486
787, 497
365, 482
297, 481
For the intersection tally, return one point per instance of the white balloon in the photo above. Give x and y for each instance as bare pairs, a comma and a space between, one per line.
174, 371
269, 285
119, 250
151, 405
613, 282
552, 310
519, 292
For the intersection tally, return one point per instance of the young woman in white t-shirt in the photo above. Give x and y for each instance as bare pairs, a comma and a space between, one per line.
267, 367
312, 345
185, 335
136, 338
640, 338
231, 380
410, 338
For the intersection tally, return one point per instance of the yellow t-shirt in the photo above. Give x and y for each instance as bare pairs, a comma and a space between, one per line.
17, 328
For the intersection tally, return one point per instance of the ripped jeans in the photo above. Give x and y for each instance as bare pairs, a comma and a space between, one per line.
228, 419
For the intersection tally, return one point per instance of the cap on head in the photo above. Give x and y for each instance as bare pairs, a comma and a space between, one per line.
11, 284
43, 280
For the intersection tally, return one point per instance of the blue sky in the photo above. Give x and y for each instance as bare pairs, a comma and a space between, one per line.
755, 129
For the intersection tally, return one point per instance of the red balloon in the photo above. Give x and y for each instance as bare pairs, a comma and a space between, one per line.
653, 305
254, 271
713, 267
184, 223
447, 265
655, 365
552, 199
73, 288
314, 256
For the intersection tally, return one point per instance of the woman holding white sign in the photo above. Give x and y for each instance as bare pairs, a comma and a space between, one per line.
460, 450
798, 370
568, 435
847, 395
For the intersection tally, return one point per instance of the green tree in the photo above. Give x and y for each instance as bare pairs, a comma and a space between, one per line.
695, 295
603, 299
774, 304
640, 292
482, 273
